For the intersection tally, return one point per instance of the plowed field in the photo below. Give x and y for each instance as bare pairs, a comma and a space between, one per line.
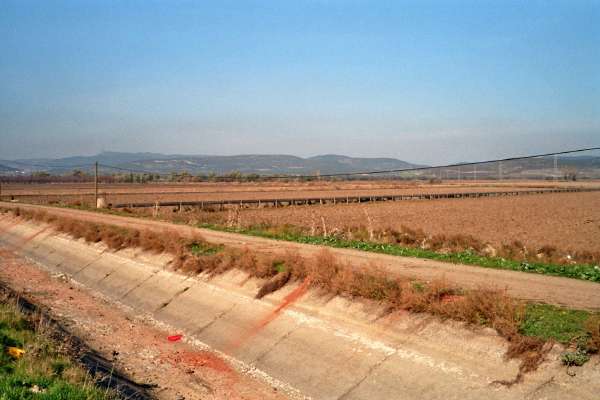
564, 220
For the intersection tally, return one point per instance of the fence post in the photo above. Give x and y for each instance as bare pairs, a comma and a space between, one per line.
96, 185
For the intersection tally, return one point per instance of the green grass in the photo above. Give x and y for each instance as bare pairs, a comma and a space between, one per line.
576, 271
568, 327
43, 373
204, 249
550, 322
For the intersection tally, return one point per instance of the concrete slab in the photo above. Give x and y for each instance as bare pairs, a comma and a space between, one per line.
324, 365
71, 257
158, 291
197, 307
409, 375
121, 276
249, 332
95, 271
13, 236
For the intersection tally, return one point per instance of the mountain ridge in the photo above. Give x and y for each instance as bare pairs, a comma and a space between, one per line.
265, 164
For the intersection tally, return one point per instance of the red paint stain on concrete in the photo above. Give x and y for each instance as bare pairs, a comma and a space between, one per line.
287, 301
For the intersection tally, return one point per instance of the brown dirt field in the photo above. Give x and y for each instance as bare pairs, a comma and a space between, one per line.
132, 193
563, 220
180, 370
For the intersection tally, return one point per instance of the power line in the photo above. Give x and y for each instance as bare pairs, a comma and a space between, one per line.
458, 164
389, 171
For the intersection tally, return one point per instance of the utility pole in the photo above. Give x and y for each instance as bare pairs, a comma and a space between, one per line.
555, 167
96, 185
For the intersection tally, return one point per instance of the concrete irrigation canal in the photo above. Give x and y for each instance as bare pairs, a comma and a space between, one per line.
301, 342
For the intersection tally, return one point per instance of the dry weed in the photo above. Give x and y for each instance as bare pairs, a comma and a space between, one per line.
593, 327
274, 284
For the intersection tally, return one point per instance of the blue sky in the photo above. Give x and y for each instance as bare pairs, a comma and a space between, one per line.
425, 81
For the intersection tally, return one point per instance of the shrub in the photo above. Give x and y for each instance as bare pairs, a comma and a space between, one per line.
575, 358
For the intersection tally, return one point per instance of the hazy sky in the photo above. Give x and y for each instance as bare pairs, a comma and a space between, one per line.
421, 81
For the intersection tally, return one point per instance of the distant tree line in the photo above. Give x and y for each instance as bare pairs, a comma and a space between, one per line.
80, 176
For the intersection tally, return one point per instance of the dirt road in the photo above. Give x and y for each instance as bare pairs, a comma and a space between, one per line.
548, 289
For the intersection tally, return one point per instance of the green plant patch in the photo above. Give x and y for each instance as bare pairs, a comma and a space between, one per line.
279, 266
575, 358
42, 372
418, 286
204, 249
550, 322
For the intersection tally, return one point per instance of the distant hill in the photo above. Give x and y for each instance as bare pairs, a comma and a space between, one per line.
264, 164
283, 164
6, 169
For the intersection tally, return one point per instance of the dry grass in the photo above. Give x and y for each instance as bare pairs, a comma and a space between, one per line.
274, 284
480, 307
593, 327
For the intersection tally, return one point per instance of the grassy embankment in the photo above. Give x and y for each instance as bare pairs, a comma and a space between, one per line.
43, 371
